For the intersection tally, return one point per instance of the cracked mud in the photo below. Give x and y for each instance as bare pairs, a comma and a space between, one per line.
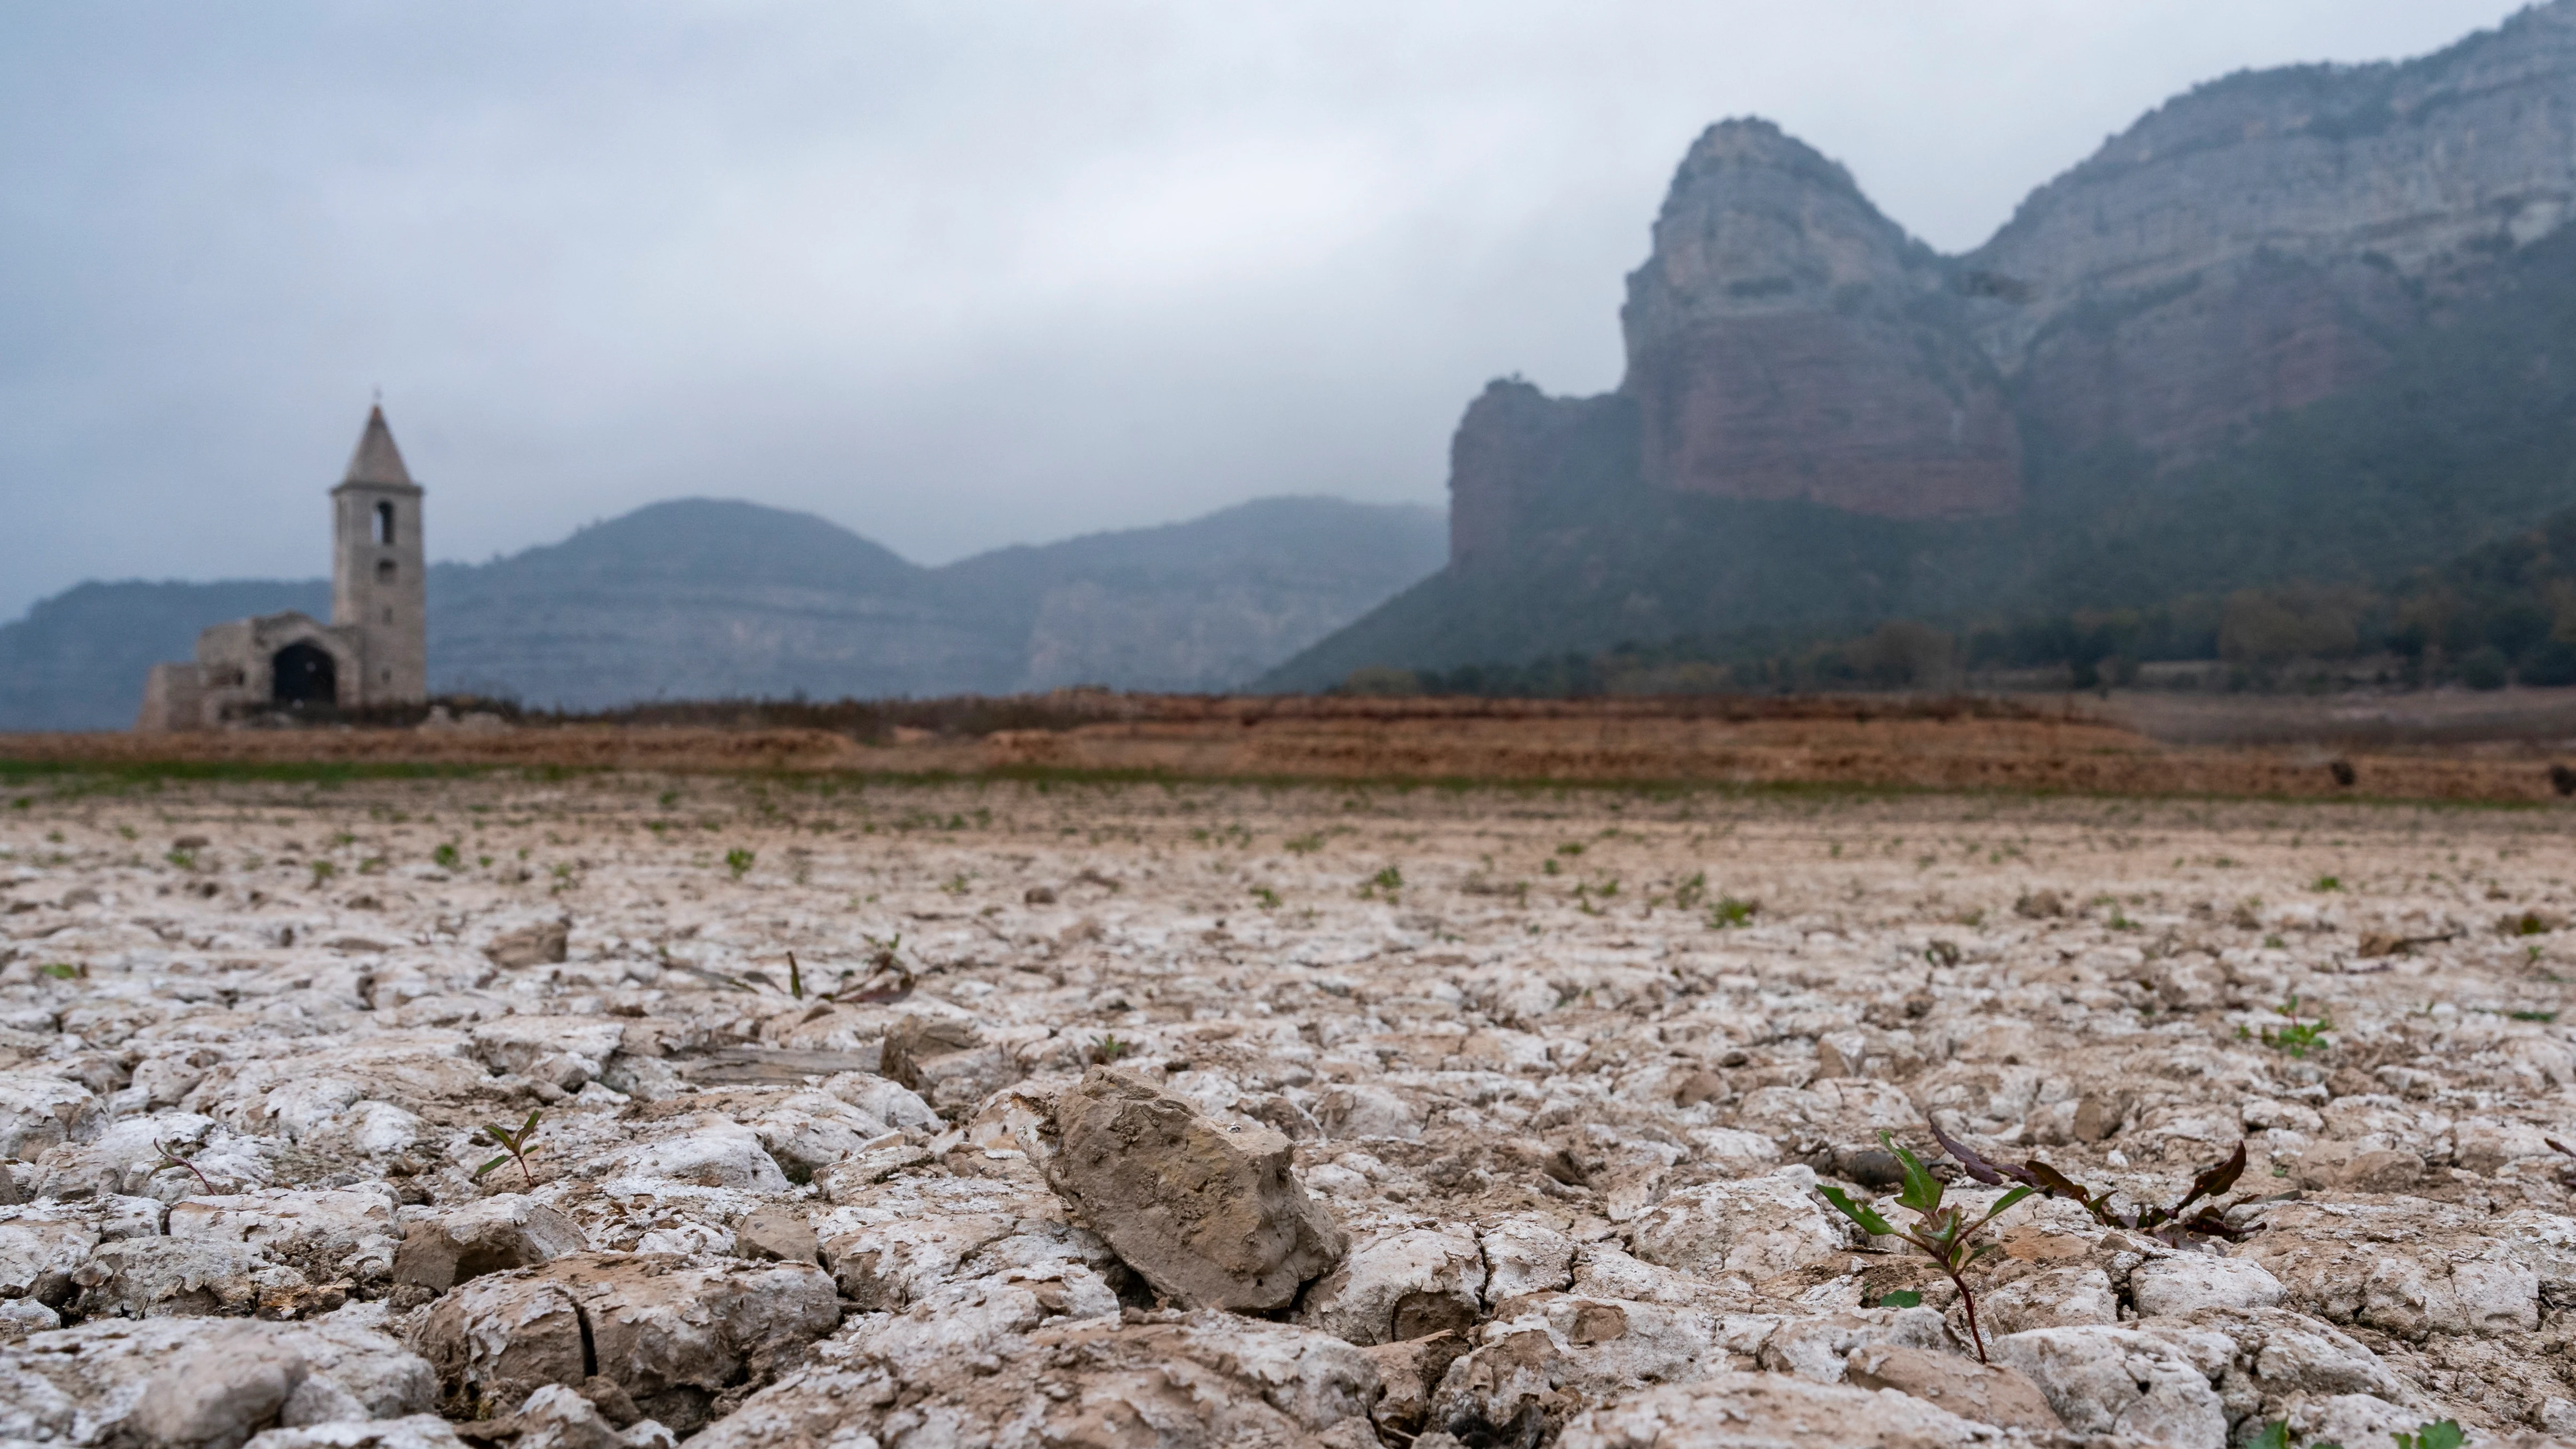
1108, 1114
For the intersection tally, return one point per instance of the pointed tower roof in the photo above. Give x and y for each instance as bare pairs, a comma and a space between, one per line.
377, 460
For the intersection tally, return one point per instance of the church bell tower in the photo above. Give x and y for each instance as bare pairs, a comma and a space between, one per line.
379, 571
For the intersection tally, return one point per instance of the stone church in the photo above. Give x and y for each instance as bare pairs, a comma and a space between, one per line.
375, 650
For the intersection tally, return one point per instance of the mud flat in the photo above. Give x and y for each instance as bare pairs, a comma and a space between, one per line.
1205, 1113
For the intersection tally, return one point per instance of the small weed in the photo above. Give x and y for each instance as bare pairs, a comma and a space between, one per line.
795, 978
2166, 1225
1901, 1298
1109, 1049
446, 857
182, 857
2439, 1434
2325, 883
1730, 912
889, 980
1306, 844
128, 832
173, 1159
62, 971
514, 1145
1942, 953
1550, 867
956, 885
1690, 893
738, 860
2299, 1037
2532, 1015
1944, 1234
2275, 943
669, 798
1571, 847
1385, 883
1268, 898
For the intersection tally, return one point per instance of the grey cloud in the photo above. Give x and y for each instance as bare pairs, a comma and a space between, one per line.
952, 274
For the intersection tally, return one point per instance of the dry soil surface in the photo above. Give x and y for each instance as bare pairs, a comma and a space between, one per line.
1528, 1094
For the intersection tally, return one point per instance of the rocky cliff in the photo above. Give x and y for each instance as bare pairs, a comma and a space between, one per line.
2254, 245
2260, 244
1786, 341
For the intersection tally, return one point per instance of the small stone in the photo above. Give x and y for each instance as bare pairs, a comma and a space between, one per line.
778, 1234
541, 943
1207, 1214
1410, 1371
918, 1038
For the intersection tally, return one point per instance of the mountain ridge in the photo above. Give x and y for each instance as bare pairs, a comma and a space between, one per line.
2146, 373
712, 598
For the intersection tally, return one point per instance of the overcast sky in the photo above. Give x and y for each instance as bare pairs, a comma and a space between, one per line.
955, 274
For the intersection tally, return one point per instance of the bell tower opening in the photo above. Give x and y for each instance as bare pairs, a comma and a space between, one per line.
384, 525
303, 674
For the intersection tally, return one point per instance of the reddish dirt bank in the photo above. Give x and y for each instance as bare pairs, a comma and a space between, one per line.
1921, 744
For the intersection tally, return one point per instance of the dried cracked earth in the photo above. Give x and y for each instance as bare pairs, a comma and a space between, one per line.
1094, 1114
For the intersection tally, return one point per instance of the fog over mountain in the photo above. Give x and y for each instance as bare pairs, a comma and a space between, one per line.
700, 598
2301, 326
952, 276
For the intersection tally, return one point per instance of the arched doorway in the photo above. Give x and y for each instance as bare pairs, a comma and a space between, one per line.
304, 674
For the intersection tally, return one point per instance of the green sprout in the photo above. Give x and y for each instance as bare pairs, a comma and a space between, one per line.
1901, 1298
1109, 1049
514, 1145
60, 970
1305, 844
2299, 1037
2439, 1434
323, 870
1945, 1234
738, 860
795, 978
1729, 912
446, 857
2325, 883
1268, 898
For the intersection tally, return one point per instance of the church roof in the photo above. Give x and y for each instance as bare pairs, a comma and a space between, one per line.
377, 460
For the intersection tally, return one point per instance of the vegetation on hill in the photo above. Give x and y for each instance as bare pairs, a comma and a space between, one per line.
2421, 516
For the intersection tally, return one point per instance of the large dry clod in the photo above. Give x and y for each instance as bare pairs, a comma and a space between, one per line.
1769, 1411
179, 1384
1206, 1212
489, 1235
679, 1337
980, 1370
